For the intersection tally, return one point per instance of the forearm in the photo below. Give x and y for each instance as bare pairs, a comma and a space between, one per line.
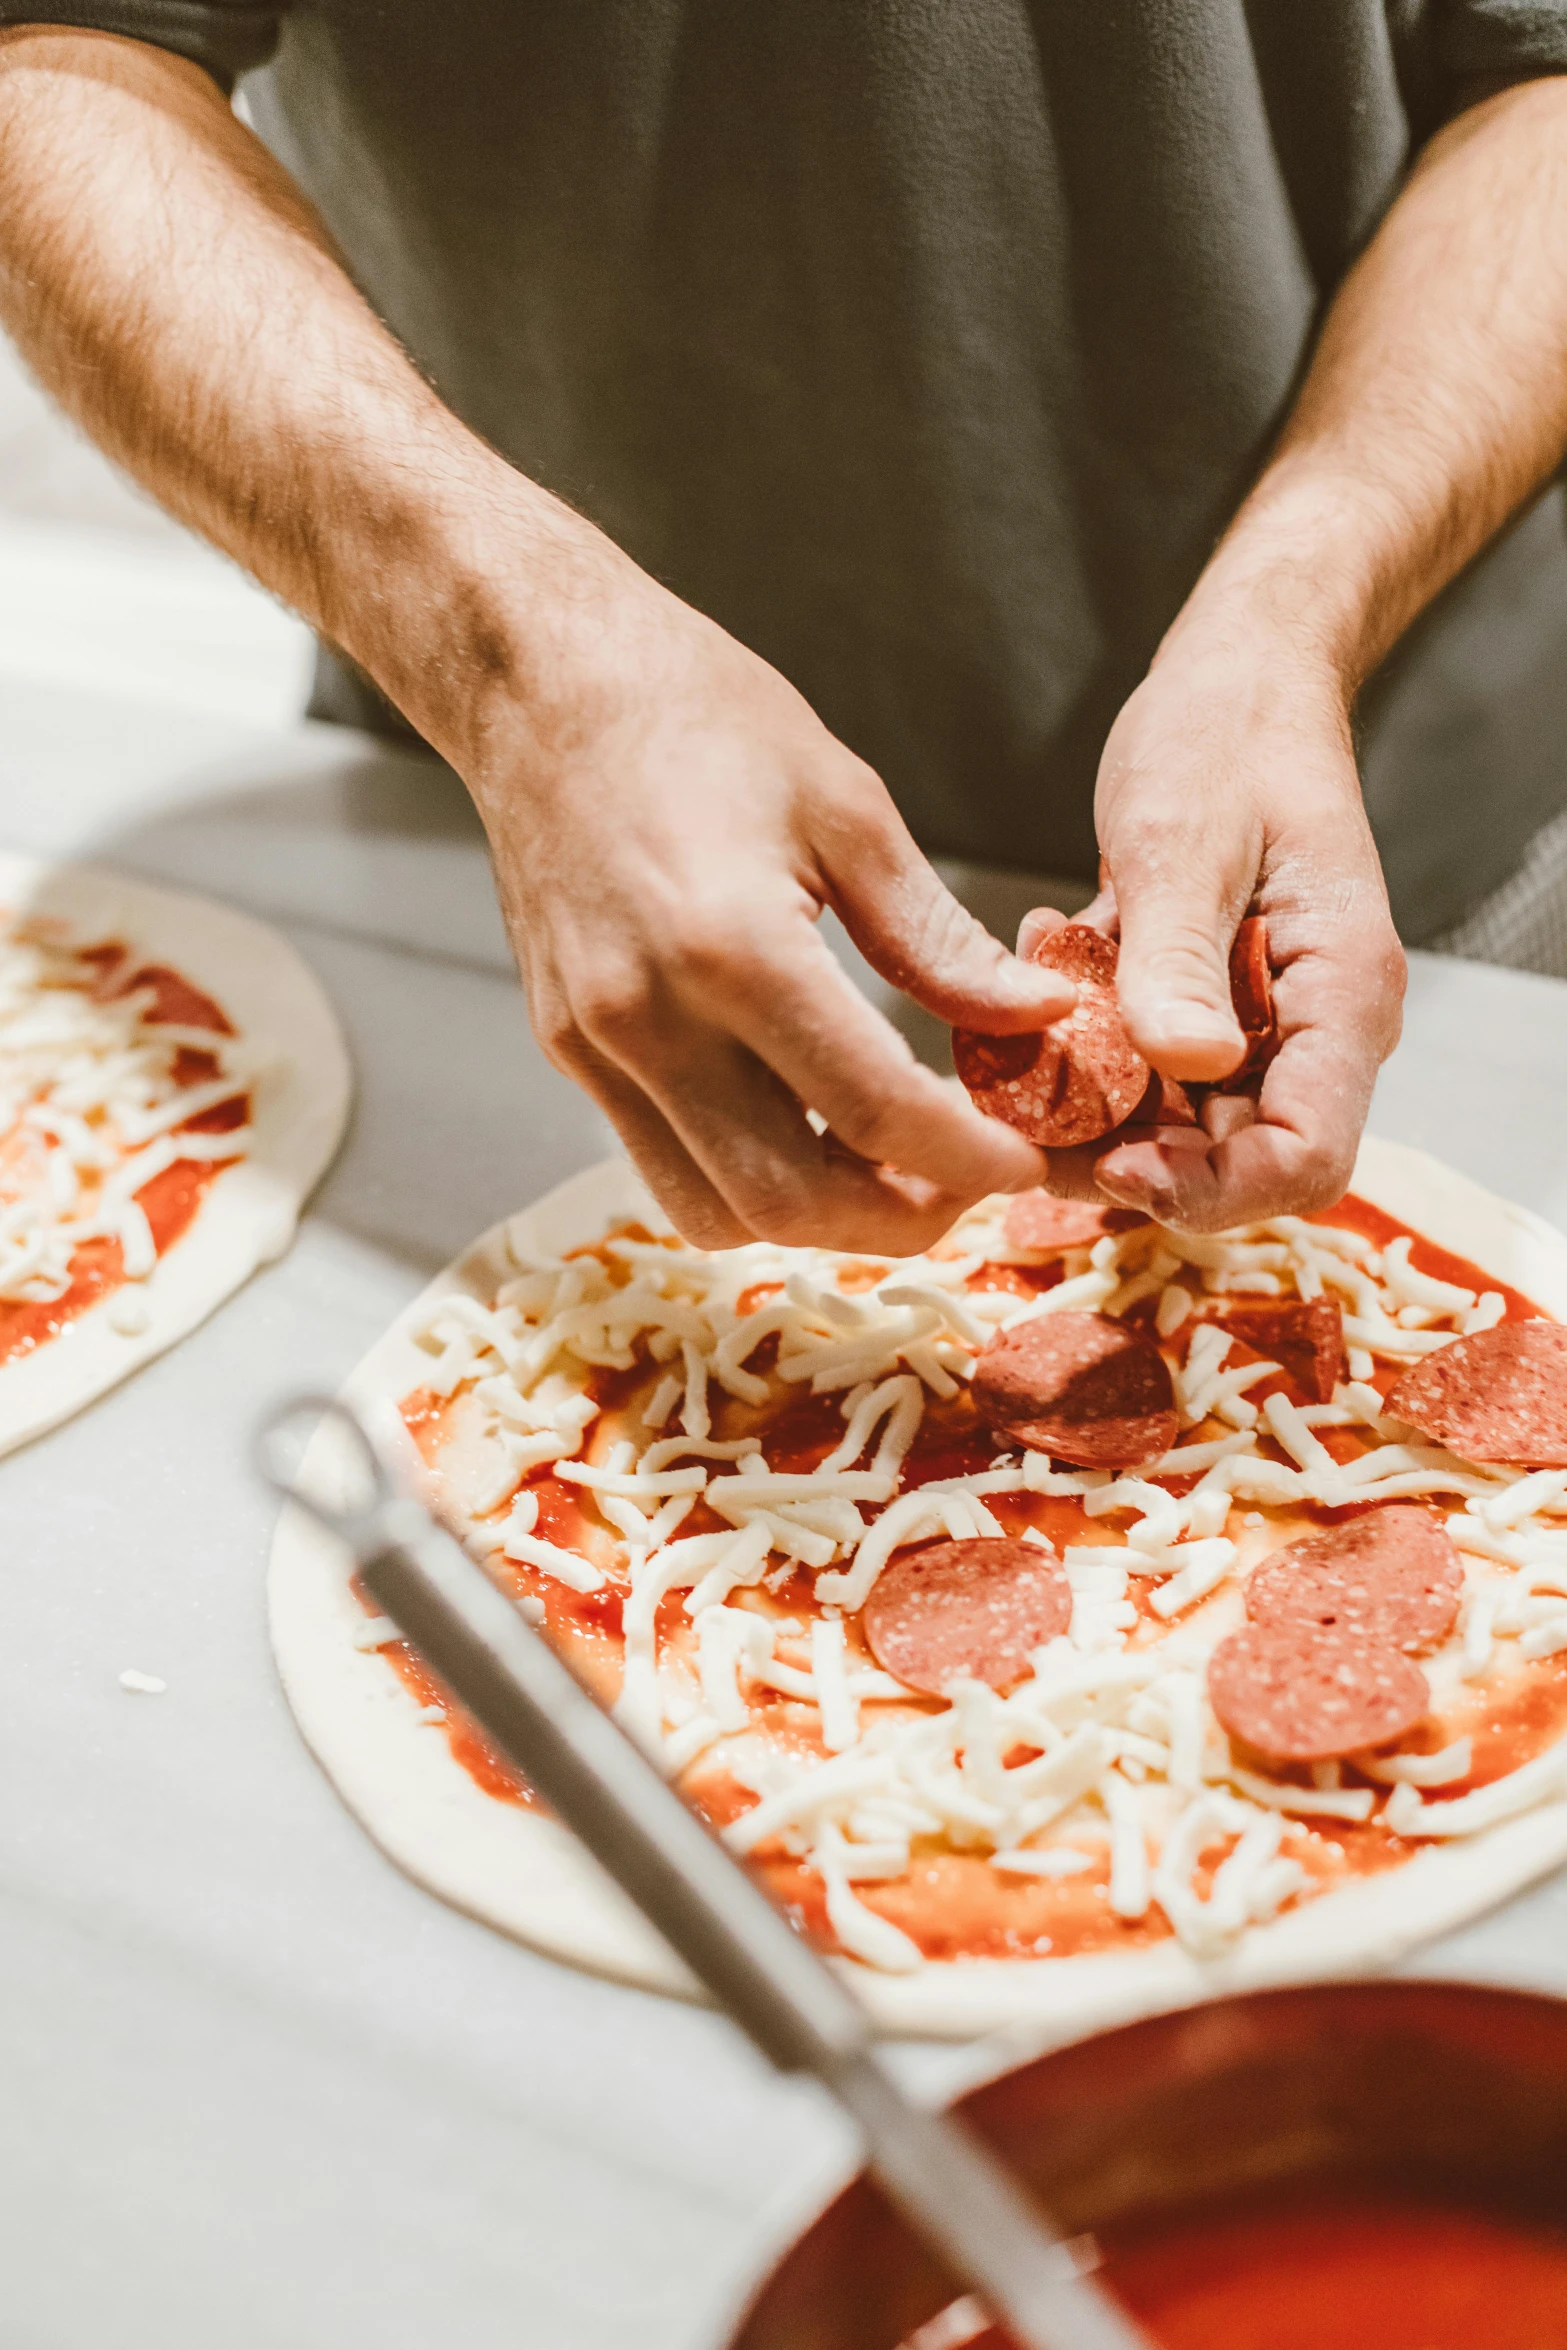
666, 814
1434, 406
169, 285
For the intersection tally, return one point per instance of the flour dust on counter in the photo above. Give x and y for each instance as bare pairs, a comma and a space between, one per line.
172, 1084
1078, 1619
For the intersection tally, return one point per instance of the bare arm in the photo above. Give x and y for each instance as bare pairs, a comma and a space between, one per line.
667, 816
1436, 403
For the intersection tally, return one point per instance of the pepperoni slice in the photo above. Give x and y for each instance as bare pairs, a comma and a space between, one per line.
1498, 1396
1251, 987
976, 1607
1308, 1339
1391, 1575
1301, 1696
1165, 1102
1038, 1220
175, 1002
1079, 1387
1251, 993
1081, 1076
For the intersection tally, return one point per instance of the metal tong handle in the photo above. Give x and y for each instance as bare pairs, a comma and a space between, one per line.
950, 2187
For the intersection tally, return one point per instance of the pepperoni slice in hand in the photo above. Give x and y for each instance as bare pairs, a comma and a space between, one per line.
976, 1607
1498, 1396
1391, 1576
1166, 1103
1038, 1220
1251, 986
1251, 993
1306, 1696
1308, 1339
1080, 1387
1082, 1075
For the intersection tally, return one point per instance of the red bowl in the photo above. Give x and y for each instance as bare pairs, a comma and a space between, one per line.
1433, 2088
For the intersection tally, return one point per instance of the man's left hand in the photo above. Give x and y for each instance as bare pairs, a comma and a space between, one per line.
1228, 785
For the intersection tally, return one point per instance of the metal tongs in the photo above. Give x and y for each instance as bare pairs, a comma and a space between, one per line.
952, 2189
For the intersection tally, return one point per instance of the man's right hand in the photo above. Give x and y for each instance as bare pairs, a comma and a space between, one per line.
667, 816
668, 819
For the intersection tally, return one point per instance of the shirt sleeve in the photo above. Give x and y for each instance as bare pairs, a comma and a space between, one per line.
227, 37
1501, 41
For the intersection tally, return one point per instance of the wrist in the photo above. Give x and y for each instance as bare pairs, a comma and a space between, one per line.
1295, 588
1233, 663
486, 610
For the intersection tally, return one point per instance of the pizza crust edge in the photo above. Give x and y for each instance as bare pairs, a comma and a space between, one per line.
520, 1872
299, 1109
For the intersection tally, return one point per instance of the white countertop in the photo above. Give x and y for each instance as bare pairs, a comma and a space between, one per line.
258, 2090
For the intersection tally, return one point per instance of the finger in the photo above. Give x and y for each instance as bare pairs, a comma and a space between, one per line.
1268, 1169
1338, 1007
1224, 1114
792, 1006
749, 1136
1182, 882
693, 1205
910, 928
1297, 1155
1074, 1174
1036, 925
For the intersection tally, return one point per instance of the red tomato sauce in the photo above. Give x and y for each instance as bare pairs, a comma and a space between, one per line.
175, 1004
1348, 2268
1354, 1214
169, 1201
954, 1905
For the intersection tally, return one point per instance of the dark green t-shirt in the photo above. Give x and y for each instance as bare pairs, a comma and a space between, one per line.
926, 344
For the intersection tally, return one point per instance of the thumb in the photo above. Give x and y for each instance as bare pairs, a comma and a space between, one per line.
913, 931
1179, 907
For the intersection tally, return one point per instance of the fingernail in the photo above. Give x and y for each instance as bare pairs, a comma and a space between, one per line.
1149, 1199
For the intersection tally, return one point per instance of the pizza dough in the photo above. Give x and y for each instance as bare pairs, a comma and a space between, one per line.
519, 1871
296, 1074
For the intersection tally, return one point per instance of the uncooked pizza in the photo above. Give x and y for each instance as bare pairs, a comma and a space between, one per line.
171, 1083
1049, 1621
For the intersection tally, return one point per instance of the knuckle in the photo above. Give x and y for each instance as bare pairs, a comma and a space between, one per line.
560, 1038
848, 797
1322, 1176
711, 949
611, 1005
1395, 982
876, 1130
1395, 963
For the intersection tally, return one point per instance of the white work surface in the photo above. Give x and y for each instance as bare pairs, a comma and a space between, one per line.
257, 2091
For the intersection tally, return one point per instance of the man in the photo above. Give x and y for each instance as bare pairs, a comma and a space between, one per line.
805, 387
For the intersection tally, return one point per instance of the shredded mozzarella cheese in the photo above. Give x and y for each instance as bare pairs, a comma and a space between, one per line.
1108, 1744
92, 1107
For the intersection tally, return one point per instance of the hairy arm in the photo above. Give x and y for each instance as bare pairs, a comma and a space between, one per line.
1435, 405
667, 816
